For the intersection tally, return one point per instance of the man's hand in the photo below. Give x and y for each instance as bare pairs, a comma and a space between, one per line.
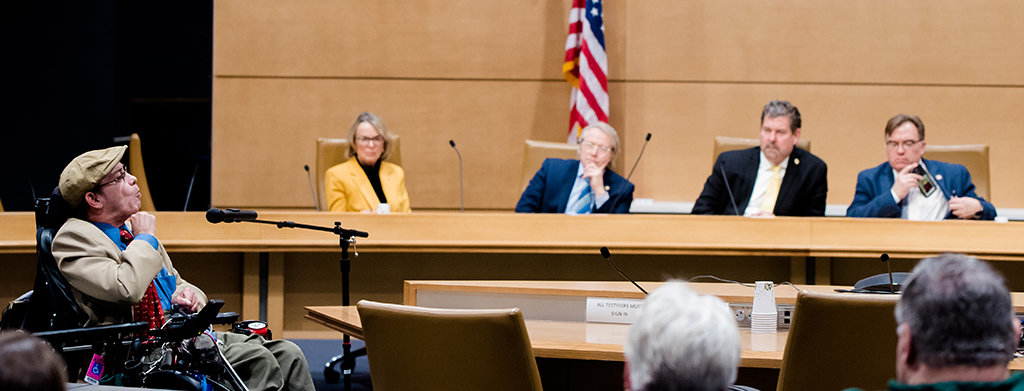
187, 300
905, 180
965, 207
762, 213
143, 223
595, 174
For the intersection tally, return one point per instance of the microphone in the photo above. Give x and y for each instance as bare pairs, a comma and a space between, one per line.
229, 215
728, 189
309, 178
885, 259
190, 183
608, 255
638, 157
462, 199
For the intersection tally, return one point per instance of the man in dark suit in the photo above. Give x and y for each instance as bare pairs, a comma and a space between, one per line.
910, 187
776, 178
581, 186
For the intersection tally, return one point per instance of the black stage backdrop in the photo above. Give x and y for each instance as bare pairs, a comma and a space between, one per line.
85, 75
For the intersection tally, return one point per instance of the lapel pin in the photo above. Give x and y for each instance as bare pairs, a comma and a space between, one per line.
938, 177
607, 188
796, 161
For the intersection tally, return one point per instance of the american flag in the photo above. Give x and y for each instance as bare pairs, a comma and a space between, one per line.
586, 66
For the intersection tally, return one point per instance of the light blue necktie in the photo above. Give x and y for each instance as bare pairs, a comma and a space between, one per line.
583, 204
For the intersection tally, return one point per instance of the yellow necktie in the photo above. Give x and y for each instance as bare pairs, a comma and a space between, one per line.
772, 194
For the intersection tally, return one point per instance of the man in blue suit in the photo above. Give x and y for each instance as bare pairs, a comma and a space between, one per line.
581, 186
913, 188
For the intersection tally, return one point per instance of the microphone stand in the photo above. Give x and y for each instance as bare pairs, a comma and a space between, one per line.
347, 358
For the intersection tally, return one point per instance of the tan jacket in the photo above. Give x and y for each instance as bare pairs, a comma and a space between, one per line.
107, 281
349, 190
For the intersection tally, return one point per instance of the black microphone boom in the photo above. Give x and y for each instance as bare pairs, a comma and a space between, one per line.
316, 203
608, 255
230, 215
462, 199
885, 258
729, 190
638, 157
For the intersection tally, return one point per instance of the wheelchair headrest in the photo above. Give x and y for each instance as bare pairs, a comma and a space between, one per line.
52, 212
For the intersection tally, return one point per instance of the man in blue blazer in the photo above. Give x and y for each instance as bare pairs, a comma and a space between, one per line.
913, 188
580, 186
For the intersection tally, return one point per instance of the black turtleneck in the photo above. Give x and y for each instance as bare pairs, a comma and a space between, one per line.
373, 174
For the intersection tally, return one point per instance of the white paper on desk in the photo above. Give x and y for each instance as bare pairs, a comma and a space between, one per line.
609, 310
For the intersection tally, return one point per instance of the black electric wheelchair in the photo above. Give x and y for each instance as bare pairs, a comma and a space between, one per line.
182, 355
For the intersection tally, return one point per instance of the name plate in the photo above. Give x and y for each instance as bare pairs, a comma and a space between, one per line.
609, 310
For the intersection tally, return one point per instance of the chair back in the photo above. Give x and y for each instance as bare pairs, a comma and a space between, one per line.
974, 157
52, 305
538, 151
838, 341
725, 144
139, 171
330, 152
425, 349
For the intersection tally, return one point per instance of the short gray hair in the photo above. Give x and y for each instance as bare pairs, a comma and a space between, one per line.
377, 124
682, 341
608, 130
779, 108
959, 312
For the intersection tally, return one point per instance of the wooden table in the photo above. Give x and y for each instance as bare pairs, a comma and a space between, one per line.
495, 232
594, 341
577, 340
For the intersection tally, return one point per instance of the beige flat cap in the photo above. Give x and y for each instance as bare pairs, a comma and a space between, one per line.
86, 171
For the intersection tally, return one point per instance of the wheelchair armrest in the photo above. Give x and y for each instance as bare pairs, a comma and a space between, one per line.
89, 335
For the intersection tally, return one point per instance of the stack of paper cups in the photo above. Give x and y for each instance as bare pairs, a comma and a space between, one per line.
764, 318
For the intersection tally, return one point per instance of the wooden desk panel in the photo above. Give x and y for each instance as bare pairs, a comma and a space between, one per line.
547, 234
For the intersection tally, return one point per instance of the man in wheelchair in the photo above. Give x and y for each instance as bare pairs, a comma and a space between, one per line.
119, 272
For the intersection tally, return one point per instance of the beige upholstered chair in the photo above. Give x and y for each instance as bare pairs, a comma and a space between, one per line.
840, 340
974, 157
537, 151
331, 152
725, 144
137, 169
425, 349
1, 206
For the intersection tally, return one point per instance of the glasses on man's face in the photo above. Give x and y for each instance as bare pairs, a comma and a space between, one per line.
370, 140
588, 146
120, 177
906, 144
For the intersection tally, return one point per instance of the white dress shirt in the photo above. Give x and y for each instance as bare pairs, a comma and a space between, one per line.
920, 208
764, 174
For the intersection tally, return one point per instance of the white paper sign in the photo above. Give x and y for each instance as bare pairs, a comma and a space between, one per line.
608, 310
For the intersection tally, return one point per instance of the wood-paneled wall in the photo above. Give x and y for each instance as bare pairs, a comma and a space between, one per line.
487, 75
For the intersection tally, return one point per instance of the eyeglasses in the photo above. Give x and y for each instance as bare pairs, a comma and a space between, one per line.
588, 146
906, 144
120, 177
370, 140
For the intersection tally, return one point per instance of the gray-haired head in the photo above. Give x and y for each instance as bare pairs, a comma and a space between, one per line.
682, 341
959, 312
608, 130
779, 108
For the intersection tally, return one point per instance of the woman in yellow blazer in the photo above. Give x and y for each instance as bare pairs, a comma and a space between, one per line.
365, 180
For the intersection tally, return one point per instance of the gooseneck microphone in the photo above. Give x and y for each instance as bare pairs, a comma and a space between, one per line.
462, 199
638, 157
608, 255
309, 178
728, 189
230, 215
885, 259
